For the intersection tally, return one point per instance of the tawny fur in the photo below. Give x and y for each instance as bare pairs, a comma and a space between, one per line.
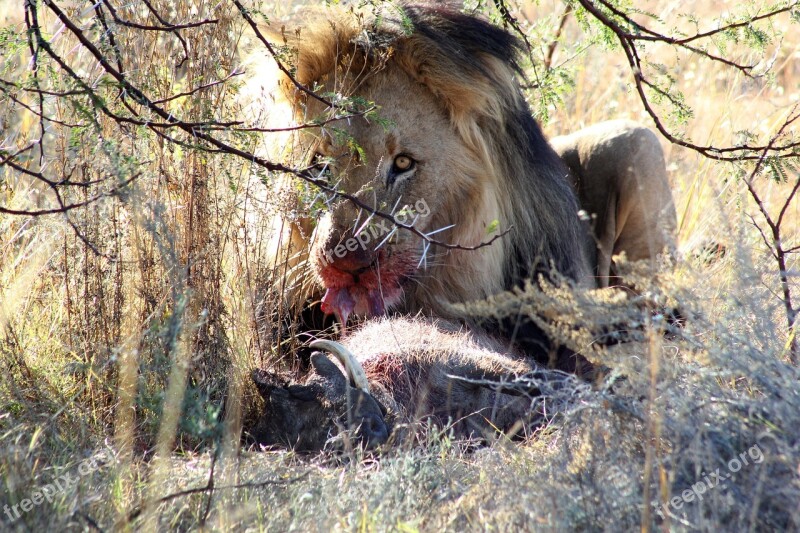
621, 180
462, 119
447, 89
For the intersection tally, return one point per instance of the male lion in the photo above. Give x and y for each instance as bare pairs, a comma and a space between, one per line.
458, 155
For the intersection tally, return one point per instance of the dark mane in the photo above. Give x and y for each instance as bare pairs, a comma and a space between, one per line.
533, 169
464, 38
473, 70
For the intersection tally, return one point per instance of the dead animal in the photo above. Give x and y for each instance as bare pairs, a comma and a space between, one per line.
406, 370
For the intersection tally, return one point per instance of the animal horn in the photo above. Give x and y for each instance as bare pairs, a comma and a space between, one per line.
355, 371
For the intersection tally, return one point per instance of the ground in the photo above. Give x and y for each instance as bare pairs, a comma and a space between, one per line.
699, 429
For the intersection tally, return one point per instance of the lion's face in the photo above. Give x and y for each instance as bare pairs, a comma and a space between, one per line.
416, 168
461, 151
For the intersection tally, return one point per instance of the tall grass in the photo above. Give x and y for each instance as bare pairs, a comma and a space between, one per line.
128, 327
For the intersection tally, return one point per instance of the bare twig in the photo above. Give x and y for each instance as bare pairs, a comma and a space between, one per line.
197, 89
210, 488
62, 208
628, 42
511, 20
195, 129
551, 48
30, 21
776, 247
165, 26
38, 113
268, 45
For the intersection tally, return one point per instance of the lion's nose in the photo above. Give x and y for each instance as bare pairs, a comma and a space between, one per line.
353, 262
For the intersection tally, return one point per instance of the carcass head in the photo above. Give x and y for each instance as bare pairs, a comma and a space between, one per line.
325, 409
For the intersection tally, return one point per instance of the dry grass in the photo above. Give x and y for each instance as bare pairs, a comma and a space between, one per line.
128, 360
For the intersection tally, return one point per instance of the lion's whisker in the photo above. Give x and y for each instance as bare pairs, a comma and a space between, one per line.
434, 232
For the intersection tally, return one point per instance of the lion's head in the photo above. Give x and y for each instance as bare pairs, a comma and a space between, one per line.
454, 151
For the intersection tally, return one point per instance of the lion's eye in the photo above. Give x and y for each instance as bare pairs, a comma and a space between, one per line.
402, 163
318, 160
322, 164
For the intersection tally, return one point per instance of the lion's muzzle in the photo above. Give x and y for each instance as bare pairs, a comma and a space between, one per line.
366, 284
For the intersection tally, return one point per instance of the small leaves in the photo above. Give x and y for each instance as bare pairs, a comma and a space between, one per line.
781, 169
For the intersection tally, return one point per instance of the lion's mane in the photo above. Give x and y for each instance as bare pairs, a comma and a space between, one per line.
472, 68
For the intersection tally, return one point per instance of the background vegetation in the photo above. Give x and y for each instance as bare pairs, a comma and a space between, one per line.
132, 300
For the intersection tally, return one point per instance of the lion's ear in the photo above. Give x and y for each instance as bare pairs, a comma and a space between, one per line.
313, 48
468, 93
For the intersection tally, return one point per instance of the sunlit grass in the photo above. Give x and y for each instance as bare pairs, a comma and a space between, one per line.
96, 353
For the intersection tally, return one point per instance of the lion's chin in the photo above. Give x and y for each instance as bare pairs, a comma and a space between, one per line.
367, 294
358, 300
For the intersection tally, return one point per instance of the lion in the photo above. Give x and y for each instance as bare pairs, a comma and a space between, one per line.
456, 155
